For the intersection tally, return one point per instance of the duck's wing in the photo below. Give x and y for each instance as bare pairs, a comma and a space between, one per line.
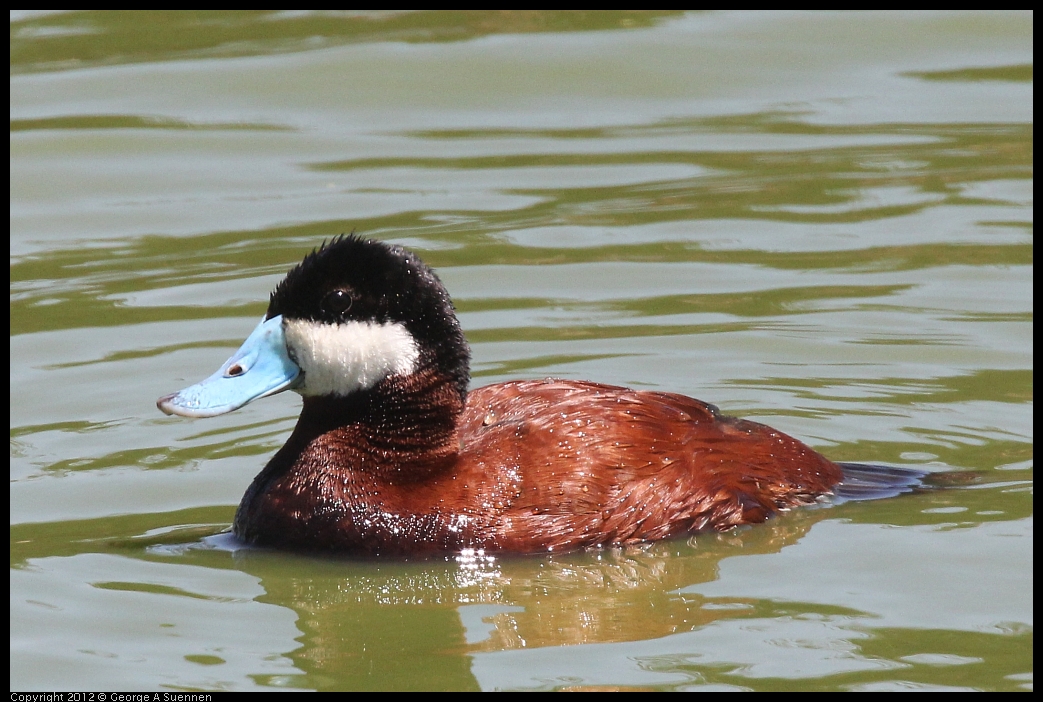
593, 464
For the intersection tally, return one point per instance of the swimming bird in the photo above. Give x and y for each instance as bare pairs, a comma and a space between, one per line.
394, 455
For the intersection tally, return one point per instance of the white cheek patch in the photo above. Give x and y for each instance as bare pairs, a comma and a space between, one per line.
339, 359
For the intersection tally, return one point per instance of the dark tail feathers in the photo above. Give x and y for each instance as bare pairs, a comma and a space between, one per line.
865, 481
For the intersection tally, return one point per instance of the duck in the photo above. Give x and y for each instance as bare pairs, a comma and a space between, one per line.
394, 455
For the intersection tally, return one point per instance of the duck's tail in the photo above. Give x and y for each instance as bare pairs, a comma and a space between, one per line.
866, 481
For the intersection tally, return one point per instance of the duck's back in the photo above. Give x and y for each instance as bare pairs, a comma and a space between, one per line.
574, 464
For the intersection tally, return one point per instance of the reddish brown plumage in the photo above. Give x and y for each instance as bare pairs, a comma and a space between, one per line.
525, 467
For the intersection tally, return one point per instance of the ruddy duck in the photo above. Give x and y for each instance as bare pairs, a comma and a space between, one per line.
393, 455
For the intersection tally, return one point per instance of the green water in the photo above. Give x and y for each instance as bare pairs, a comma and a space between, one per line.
820, 221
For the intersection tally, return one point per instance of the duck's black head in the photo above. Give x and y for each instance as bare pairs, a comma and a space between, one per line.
352, 313
357, 310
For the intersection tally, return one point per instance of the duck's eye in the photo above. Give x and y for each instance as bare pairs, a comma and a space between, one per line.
336, 302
